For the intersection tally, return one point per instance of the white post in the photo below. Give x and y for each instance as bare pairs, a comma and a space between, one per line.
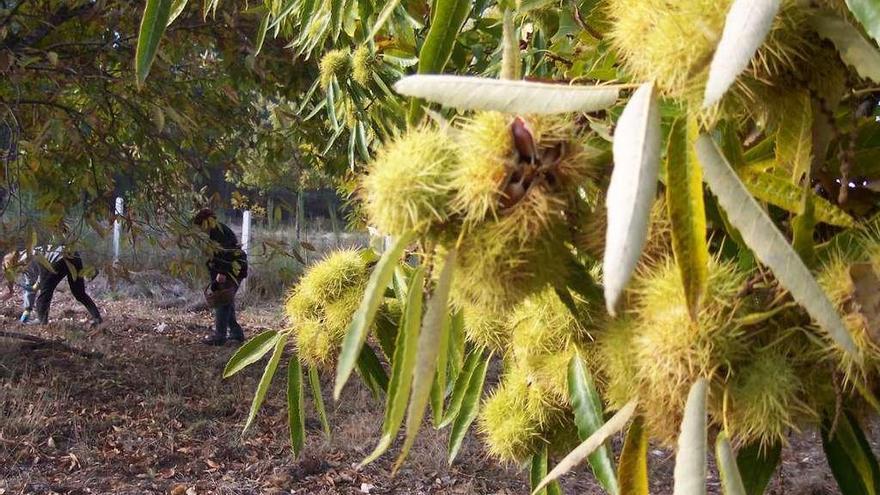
245, 240
117, 228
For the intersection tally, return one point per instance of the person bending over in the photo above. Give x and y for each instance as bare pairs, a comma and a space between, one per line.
39, 278
228, 267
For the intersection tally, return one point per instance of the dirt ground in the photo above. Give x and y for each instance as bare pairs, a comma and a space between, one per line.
152, 415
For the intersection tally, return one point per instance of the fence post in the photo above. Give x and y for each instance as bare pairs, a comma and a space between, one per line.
300, 214
117, 227
270, 212
245, 241
334, 220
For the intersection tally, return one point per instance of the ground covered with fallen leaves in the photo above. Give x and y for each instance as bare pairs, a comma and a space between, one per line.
151, 414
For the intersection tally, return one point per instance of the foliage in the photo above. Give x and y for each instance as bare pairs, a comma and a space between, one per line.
86, 132
714, 323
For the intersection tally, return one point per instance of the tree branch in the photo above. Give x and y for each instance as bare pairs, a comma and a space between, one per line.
62, 15
70, 111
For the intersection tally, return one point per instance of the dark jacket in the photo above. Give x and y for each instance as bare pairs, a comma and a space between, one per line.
227, 256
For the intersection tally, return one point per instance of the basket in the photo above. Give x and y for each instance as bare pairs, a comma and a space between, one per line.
221, 296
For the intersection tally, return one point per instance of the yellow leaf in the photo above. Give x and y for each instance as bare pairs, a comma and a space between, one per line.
632, 473
684, 202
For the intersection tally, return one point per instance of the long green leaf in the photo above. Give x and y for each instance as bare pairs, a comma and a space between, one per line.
261, 34
384, 14
731, 481
865, 448
318, 399
366, 312
266, 380
781, 192
470, 405
631, 191
386, 333
690, 458
866, 394
850, 457
794, 150
250, 352
330, 98
456, 348
177, 7
285, 11
460, 388
868, 14
438, 389
370, 368
803, 226
362, 141
587, 407
309, 11
687, 213
538, 471
295, 417
153, 23
447, 18
588, 446
632, 474
794, 138
400, 283
336, 17
756, 464
401, 366
767, 242
430, 337
209, 7
854, 49
747, 24
477, 93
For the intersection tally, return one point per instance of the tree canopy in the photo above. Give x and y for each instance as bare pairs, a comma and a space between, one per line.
668, 203
85, 132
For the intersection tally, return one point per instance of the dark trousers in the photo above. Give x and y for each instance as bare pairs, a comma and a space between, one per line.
50, 280
224, 320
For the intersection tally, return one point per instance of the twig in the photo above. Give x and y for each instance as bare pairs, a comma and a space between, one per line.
50, 343
579, 19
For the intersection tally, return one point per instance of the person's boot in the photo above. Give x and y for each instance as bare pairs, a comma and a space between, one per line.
42, 319
96, 320
236, 333
215, 339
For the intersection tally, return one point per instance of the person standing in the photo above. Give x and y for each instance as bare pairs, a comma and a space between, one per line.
228, 266
44, 269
